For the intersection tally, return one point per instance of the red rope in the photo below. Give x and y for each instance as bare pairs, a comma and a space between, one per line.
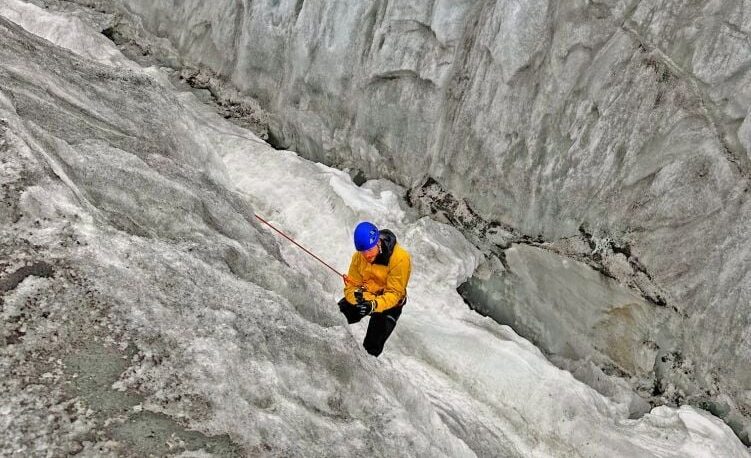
344, 277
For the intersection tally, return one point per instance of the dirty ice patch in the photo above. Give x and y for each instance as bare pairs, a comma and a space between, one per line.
65, 31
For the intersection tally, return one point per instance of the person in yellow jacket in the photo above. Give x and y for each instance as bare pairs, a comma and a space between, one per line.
376, 284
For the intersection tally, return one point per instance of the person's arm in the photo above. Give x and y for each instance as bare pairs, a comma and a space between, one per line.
396, 286
354, 279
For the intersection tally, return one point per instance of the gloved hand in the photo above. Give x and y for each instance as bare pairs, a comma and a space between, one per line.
358, 296
365, 307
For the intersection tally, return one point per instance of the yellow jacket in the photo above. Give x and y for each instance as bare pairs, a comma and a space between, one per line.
384, 281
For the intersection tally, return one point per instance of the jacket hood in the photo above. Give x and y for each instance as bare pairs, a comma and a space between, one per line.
388, 241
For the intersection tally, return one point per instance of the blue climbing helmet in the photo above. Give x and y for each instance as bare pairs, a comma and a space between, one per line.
366, 236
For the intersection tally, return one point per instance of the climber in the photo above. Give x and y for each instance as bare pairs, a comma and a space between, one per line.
376, 284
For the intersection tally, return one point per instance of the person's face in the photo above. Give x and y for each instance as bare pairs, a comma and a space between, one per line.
371, 254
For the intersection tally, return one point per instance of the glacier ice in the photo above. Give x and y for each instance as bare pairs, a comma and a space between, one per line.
143, 199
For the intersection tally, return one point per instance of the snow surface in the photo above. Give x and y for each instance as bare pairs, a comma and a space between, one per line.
479, 387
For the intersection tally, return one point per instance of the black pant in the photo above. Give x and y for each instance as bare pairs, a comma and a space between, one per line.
379, 329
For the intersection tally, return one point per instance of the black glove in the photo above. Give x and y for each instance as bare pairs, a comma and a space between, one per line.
365, 307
